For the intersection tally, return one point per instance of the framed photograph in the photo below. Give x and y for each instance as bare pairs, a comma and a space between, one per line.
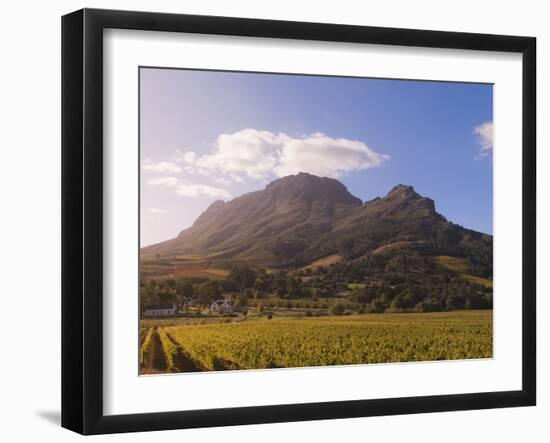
269, 221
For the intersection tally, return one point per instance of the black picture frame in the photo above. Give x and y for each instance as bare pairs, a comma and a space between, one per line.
82, 218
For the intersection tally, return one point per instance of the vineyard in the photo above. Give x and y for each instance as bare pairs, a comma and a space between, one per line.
283, 343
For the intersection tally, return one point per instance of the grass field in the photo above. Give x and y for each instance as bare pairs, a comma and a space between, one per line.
278, 343
462, 267
181, 267
325, 261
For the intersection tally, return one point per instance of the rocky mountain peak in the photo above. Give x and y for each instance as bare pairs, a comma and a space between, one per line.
310, 187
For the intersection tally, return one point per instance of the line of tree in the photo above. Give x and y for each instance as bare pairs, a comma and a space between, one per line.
392, 282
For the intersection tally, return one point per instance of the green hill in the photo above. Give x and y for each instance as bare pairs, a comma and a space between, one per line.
298, 220
462, 267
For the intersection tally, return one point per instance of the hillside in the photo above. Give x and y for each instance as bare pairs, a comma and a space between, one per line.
299, 219
266, 226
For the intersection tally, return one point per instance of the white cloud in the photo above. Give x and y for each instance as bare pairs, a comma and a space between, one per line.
248, 152
263, 154
187, 189
187, 157
162, 167
484, 134
196, 190
156, 211
236, 178
163, 181
223, 181
322, 155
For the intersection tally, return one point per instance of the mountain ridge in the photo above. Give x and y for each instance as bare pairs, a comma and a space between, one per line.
297, 219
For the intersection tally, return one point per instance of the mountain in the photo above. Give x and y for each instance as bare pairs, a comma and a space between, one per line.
298, 219
255, 224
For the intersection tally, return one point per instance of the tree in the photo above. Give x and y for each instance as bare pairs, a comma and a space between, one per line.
307, 292
294, 286
376, 307
454, 302
409, 298
337, 309
149, 293
361, 295
185, 289
248, 293
262, 283
431, 304
242, 299
208, 292
280, 284
167, 296
397, 303
243, 276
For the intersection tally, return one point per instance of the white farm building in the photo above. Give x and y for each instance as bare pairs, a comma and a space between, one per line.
160, 310
220, 305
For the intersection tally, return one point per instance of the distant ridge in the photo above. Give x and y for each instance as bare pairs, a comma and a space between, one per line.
300, 218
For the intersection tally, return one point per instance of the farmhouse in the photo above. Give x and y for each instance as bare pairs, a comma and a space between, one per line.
160, 310
188, 303
218, 305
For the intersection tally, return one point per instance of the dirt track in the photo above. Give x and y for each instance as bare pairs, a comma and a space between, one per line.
156, 362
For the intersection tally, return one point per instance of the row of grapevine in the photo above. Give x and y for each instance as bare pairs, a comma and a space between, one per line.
171, 351
335, 340
146, 346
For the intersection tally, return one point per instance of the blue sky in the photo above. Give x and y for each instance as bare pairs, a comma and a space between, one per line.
216, 135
